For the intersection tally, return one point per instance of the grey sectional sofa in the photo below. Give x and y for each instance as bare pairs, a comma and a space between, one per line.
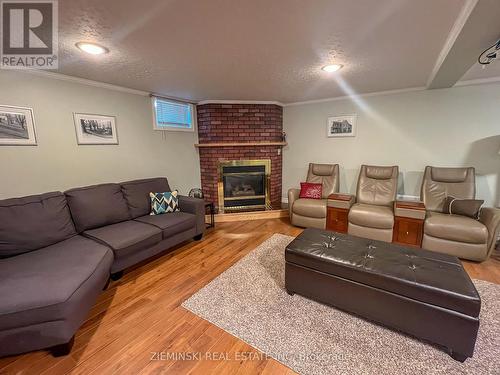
58, 250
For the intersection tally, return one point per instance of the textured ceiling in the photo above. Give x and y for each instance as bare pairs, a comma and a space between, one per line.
259, 49
481, 71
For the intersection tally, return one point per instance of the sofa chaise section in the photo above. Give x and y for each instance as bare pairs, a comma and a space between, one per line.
45, 295
49, 276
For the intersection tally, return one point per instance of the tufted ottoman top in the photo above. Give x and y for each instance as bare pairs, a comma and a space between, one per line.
422, 275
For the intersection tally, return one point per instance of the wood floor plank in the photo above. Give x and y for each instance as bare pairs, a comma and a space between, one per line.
142, 313
273, 367
216, 354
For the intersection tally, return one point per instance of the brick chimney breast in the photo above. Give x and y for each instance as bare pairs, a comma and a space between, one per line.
230, 123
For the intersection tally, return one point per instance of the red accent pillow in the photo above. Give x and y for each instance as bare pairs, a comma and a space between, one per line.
310, 190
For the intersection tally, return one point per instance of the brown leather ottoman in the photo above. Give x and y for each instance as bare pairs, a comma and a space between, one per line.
425, 294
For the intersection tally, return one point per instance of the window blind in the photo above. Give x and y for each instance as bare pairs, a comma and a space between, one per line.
170, 114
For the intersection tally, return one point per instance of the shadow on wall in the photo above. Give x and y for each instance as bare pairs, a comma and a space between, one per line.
401, 183
349, 175
413, 183
484, 155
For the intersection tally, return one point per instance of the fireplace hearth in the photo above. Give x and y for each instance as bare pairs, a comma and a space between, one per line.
244, 185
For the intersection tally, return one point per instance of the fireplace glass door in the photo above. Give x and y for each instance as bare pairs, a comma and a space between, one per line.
243, 186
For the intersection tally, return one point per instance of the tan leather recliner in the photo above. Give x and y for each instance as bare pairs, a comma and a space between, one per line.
372, 215
457, 235
312, 212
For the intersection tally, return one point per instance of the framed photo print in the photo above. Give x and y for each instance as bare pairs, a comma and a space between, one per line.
17, 126
95, 129
342, 126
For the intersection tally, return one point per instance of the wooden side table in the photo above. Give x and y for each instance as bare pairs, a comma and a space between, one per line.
210, 207
338, 206
409, 219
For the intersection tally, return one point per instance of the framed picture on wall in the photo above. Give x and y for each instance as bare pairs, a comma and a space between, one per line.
342, 126
95, 129
17, 126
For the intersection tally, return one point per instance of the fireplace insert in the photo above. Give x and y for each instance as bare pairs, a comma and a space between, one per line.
244, 185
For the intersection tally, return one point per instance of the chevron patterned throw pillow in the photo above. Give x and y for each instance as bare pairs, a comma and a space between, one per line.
162, 203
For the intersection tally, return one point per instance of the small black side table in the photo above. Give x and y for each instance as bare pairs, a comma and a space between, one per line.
210, 207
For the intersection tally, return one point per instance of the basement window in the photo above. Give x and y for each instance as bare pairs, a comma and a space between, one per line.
173, 115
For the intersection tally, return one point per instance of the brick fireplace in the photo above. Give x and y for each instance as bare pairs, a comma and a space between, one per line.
231, 132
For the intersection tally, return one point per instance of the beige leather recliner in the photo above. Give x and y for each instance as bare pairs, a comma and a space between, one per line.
312, 212
372, 215
457, 235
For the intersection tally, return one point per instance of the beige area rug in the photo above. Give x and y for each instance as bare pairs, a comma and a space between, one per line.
249, 301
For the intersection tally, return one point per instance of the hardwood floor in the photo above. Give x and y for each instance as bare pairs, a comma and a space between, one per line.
140, 314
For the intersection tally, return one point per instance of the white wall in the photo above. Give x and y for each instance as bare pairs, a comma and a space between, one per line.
58, 163
449, 127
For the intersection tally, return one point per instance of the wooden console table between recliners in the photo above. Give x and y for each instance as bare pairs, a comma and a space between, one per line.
409, 218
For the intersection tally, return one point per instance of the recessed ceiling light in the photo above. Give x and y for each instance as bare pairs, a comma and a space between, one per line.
332, 68
92, 48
